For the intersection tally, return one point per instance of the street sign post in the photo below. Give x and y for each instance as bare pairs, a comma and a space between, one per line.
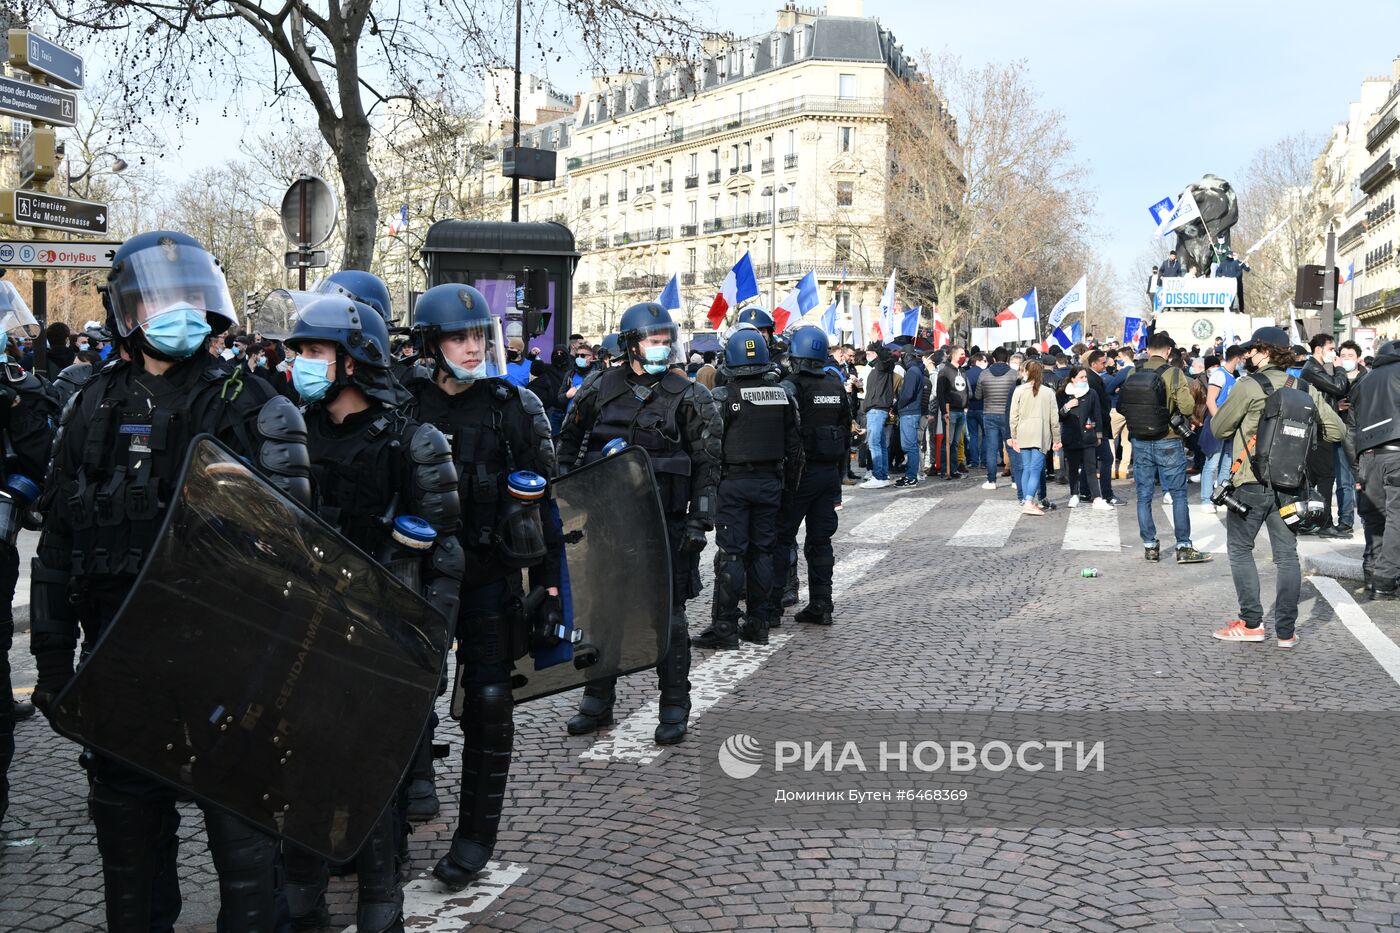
311, 259
54, 254
52, 212
38, 156
309, 213
30, 101
33, 53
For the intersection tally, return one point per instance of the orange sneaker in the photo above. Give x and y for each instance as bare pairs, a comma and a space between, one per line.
1237, 631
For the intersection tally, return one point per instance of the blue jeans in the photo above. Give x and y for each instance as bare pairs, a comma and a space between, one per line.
995, 430
875, 439
1210, 473
1164, 459
1032, 467
909, 440
955, 430
1346, 490
974, 438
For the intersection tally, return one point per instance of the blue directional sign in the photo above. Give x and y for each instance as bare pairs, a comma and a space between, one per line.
31, 52
31, 101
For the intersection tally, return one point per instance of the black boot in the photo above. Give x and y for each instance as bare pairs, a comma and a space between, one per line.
488, 734
722, 635
754, 631
422, 801
817, 612
595, 710
305, 887
380, 904
673, 677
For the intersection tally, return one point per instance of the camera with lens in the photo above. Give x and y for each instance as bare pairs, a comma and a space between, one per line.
1224, 495
1182, 425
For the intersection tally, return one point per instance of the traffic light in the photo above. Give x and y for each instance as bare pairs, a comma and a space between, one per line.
1307, 289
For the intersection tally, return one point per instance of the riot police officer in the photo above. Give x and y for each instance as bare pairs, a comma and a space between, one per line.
28, 417
364, 287
499, 436
647, 402
762, 461
117, 457
826, 438
610, 351
378, 477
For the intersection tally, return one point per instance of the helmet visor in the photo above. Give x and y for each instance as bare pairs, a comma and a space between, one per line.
164, 278
474, 351
15, 317
280, 310
652, 336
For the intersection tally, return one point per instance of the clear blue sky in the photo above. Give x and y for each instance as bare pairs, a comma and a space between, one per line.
1151, 109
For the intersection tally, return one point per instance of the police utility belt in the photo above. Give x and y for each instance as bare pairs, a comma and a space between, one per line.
753, 470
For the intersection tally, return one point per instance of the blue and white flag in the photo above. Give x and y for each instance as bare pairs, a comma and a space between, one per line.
886, 323
833, 330
1074, 302
1062, 338
671, 296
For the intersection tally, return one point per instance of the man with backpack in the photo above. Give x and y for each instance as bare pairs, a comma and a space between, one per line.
1157, 403
1274, 424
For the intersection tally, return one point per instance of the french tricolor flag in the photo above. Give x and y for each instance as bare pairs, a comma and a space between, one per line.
799, 301
739, 286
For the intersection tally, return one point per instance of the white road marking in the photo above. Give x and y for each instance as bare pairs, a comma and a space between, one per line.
884, 526
429, 907
1207, 529
990, 526
1091, 530
711, 680
1385, 651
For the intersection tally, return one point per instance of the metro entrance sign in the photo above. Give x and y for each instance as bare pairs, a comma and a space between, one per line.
52, 254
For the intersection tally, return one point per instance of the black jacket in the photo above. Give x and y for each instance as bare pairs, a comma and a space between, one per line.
1170, 269
1376, 401
1082, 425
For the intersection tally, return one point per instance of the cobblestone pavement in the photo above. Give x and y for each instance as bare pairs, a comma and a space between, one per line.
953, 604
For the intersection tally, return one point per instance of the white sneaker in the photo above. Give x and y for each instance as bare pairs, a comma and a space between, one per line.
874, 483
1074, 502
1195, 479
1167, 498
1102, 505
991, 485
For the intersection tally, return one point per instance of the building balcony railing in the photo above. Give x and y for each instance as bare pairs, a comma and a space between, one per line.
787, 215
733, 170
1352, 234
1370, 300
689, 229
790, 160
756, 115
687, 278
666, 186
632, 283
713, 226
586, 203
766, 166
762, 218
1383, 128
602, 200
746, 168
621, 195
1382, 211
663, 233
1376, 173
583, 288
713, 177
600, 243
692, 181
823, 268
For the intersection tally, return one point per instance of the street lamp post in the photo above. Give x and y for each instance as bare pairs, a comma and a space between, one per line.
772, 195
118, 166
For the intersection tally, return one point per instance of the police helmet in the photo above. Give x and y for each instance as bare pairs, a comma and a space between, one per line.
364, 287
745, 353
162, 271
756, 316
611, 346
15, 317
452, 309
352, 325
809, 347
645, 320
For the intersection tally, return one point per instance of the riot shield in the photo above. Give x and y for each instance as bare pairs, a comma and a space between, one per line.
262, 664
616, 578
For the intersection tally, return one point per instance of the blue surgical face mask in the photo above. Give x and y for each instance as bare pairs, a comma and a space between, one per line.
658, 360
310, 378
582, 362
178, 331
462, 374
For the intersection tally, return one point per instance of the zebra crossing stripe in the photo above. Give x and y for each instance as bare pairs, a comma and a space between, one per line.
884, 526
989, 526
1091, 530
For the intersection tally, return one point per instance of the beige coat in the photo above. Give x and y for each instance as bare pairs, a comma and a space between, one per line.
1035, 422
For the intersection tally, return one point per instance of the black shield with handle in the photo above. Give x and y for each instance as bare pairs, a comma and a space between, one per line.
262, 664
